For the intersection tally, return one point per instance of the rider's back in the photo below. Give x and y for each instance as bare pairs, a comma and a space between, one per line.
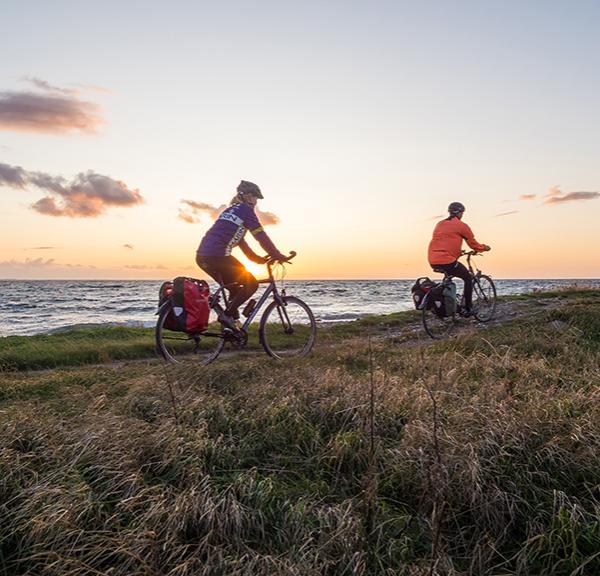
446, 243
227, 231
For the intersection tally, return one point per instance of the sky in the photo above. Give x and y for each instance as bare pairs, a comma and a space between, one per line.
125, 126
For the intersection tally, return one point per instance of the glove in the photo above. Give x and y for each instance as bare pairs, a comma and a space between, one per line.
487, 248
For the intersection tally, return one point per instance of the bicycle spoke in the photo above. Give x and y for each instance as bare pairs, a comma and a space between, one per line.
176, 347
484, 298
290, 331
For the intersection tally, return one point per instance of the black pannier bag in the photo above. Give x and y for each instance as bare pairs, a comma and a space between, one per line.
442, 299
419, 290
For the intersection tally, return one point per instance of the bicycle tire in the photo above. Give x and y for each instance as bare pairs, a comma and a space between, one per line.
182, 346
279, 343
436, 326
484, 312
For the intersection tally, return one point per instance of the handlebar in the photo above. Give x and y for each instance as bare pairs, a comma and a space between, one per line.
473, 252
273, 261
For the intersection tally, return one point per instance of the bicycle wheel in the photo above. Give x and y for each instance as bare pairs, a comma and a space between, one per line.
177, 347
484, 298
435, 325
287, 331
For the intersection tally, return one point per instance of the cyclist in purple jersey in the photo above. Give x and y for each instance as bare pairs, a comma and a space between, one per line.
214, 253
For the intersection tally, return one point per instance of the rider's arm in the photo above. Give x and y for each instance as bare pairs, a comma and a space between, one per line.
469, 237
249, 253
251, 222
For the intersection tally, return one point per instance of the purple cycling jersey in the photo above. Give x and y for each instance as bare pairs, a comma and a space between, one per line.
229, 230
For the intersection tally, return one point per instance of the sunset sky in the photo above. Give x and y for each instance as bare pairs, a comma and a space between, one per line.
124, 126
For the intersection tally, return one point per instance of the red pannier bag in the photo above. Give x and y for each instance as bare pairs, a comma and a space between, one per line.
164, 294
189, 304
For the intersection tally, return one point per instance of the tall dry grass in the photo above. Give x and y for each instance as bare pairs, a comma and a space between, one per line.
478, 455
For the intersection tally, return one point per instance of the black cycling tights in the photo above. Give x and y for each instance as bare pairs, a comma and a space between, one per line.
458, 270
229, 270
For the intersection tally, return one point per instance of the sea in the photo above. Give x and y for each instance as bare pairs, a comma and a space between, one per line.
45, 306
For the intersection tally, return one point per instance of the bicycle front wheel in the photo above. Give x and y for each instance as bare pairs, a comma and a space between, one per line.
484, 298
175, 347
288, 330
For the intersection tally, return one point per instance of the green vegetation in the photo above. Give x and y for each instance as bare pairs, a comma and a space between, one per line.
483, 456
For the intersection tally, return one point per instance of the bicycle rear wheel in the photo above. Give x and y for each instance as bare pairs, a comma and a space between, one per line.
287, 331
436, 325
484, 298
175, 347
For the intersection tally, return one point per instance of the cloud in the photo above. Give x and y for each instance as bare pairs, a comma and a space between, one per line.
192, 212
53, 111
191, 209
437, 217
527, 197
553, 191
41, 248
32, 264
46, 86
12, 176
145, 267
129, 246
571, 197
506, 213
89, 194
28, 263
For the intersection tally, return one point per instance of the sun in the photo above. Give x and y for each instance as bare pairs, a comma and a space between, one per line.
257, 270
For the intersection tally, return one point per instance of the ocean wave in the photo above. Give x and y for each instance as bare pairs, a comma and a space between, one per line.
86, 325
344, 316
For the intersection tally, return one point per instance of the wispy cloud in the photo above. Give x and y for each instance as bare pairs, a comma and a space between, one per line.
437, 217
559, 198
47, 87
42, 248
33, 264
506, 213
192, 212
28, 263
51, 110
128, 246
554, 195
88, 195
145, 267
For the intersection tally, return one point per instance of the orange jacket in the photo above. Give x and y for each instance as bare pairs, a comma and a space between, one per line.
446, 243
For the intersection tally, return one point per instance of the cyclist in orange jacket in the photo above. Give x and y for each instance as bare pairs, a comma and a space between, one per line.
445, 248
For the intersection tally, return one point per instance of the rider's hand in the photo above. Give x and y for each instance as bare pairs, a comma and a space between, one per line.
487, 248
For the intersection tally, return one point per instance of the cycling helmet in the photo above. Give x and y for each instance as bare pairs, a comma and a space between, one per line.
250, 188
456, 208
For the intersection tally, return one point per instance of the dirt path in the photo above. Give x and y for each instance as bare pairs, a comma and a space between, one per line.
506, 311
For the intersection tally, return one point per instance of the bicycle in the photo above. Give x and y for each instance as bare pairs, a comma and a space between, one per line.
287, 327
484, 301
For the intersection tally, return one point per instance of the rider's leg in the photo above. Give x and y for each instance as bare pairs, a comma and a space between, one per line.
246, 286
229, 270
462, 272
458, 270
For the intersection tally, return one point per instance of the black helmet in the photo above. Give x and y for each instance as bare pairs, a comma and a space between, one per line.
246, 187
456, 208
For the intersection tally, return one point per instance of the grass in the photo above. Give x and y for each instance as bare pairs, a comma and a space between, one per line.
483, 457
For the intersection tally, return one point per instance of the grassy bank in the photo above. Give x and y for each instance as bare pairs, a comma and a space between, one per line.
388, 455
